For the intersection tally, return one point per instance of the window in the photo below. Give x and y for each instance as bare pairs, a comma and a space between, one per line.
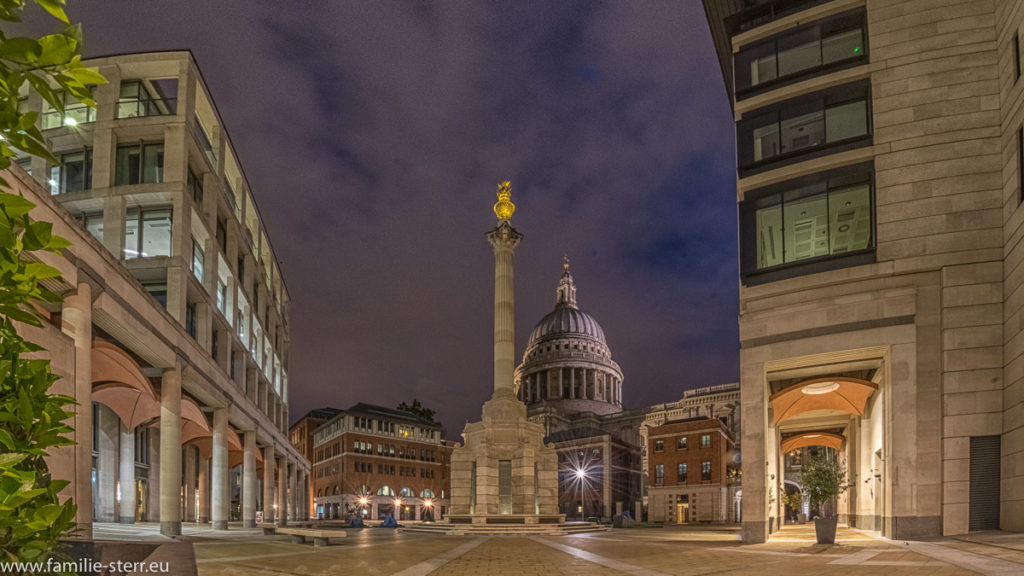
190, 319
705, 471
147, 232
158, 291
142, 445
832, 117
659, 474
824, 45
705, 440
215, 345
385, 490
195, 188
825, 216
681, 473
222, 297
25, 163
141, 163
197, 260
74, 112
659, 445
682, 443
222, 234
136, 99
94, 225
73, 174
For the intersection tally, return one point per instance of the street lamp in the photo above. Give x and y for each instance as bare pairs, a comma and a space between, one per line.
581, 475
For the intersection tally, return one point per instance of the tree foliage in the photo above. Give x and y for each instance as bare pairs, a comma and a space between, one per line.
419, 410
822, 480
32, 421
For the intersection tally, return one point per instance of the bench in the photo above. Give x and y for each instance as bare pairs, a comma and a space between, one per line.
320, 537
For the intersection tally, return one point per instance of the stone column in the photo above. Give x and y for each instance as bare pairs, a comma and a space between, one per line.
606, 476
282, 494
293, 491
76, 322
504, 239
204, 490
572, 382
220, 495
268, 484
249, 481
561, 384
170, 452
126, 511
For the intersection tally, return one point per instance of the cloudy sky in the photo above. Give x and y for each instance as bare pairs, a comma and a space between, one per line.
374, 135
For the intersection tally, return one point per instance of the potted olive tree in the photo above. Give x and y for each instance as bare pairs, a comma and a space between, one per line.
823, 479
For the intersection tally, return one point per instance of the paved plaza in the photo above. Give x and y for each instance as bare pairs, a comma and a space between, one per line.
635, 552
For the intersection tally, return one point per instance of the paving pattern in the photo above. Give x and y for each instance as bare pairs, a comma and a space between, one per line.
633, 552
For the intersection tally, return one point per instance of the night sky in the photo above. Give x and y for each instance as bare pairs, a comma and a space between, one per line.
374, 134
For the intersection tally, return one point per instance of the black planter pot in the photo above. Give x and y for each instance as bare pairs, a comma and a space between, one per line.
825, 530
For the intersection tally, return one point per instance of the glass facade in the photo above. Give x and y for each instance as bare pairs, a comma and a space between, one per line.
821, 216
73, 174
94, 225
136, 100
147, 232
792, 128
74, 113
810, 49
141, 163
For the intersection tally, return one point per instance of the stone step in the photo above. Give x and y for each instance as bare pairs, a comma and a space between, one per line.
504, 529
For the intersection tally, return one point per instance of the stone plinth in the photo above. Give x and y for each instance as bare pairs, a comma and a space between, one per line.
504, 434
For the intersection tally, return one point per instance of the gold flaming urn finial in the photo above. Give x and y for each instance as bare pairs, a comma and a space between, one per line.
504, 207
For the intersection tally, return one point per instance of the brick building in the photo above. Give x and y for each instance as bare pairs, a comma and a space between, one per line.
301, 436
377, 462
688, 471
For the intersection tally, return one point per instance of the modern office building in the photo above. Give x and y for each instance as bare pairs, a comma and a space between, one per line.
879, 169
720, 402
172, 335
572, 387
688, 468
376, 462
301, 434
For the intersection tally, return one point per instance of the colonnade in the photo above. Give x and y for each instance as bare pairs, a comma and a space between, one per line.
571, 383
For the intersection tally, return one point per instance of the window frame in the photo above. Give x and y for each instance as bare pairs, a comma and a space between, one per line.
141, 145
750, 275
821, 68
140, 230
59, 185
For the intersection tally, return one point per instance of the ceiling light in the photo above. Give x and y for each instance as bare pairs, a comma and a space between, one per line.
820, 388
69, 121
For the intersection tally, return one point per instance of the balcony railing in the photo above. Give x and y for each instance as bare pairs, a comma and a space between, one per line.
140, 107
760, 12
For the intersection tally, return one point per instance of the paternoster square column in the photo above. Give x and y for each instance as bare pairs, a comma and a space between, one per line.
504, 239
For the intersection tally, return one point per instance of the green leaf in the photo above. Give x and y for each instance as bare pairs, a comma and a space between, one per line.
21, 50
55, 8
86, 75
10, 459
14, 205
56, 49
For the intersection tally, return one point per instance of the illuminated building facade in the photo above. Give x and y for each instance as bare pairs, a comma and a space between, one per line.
172, 335
572, 387
879, 165
375, 462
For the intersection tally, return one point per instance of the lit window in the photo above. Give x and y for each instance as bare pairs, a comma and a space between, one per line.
154, 236
659, 445
136, 99
659, 474
705, 440
222, 296
705, 471
74, 112
682, 443
197, 260
681, 472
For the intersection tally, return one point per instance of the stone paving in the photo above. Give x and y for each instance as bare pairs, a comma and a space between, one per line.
633, 552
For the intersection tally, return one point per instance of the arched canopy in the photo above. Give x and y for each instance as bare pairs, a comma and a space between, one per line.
814, 438
119, 384
840, 393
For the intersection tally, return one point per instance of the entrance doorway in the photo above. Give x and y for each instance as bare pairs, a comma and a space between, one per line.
682, 512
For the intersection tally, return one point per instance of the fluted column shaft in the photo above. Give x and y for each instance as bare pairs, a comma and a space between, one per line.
504, 239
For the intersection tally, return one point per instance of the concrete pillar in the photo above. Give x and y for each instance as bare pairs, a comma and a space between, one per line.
204, 490
292, 492
220, 496
268, 484
249, 480
126, 510
76, 322
606, 476
170, 452
108, 427
504, 239
282, 493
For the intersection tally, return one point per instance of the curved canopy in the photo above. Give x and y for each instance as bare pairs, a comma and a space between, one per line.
119, 384
841, 393
813, 438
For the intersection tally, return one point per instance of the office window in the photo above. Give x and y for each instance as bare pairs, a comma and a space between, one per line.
681, 473
94, 225
73, 174
794, 54
190, 319
74, 112
141, 163
659, 474
195, 187
197, 260
222, 296
831, 117
222, 235
157, 290
136, 99
821, 216
705, 440
147, 232
705, 471
682, 443
659, 445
